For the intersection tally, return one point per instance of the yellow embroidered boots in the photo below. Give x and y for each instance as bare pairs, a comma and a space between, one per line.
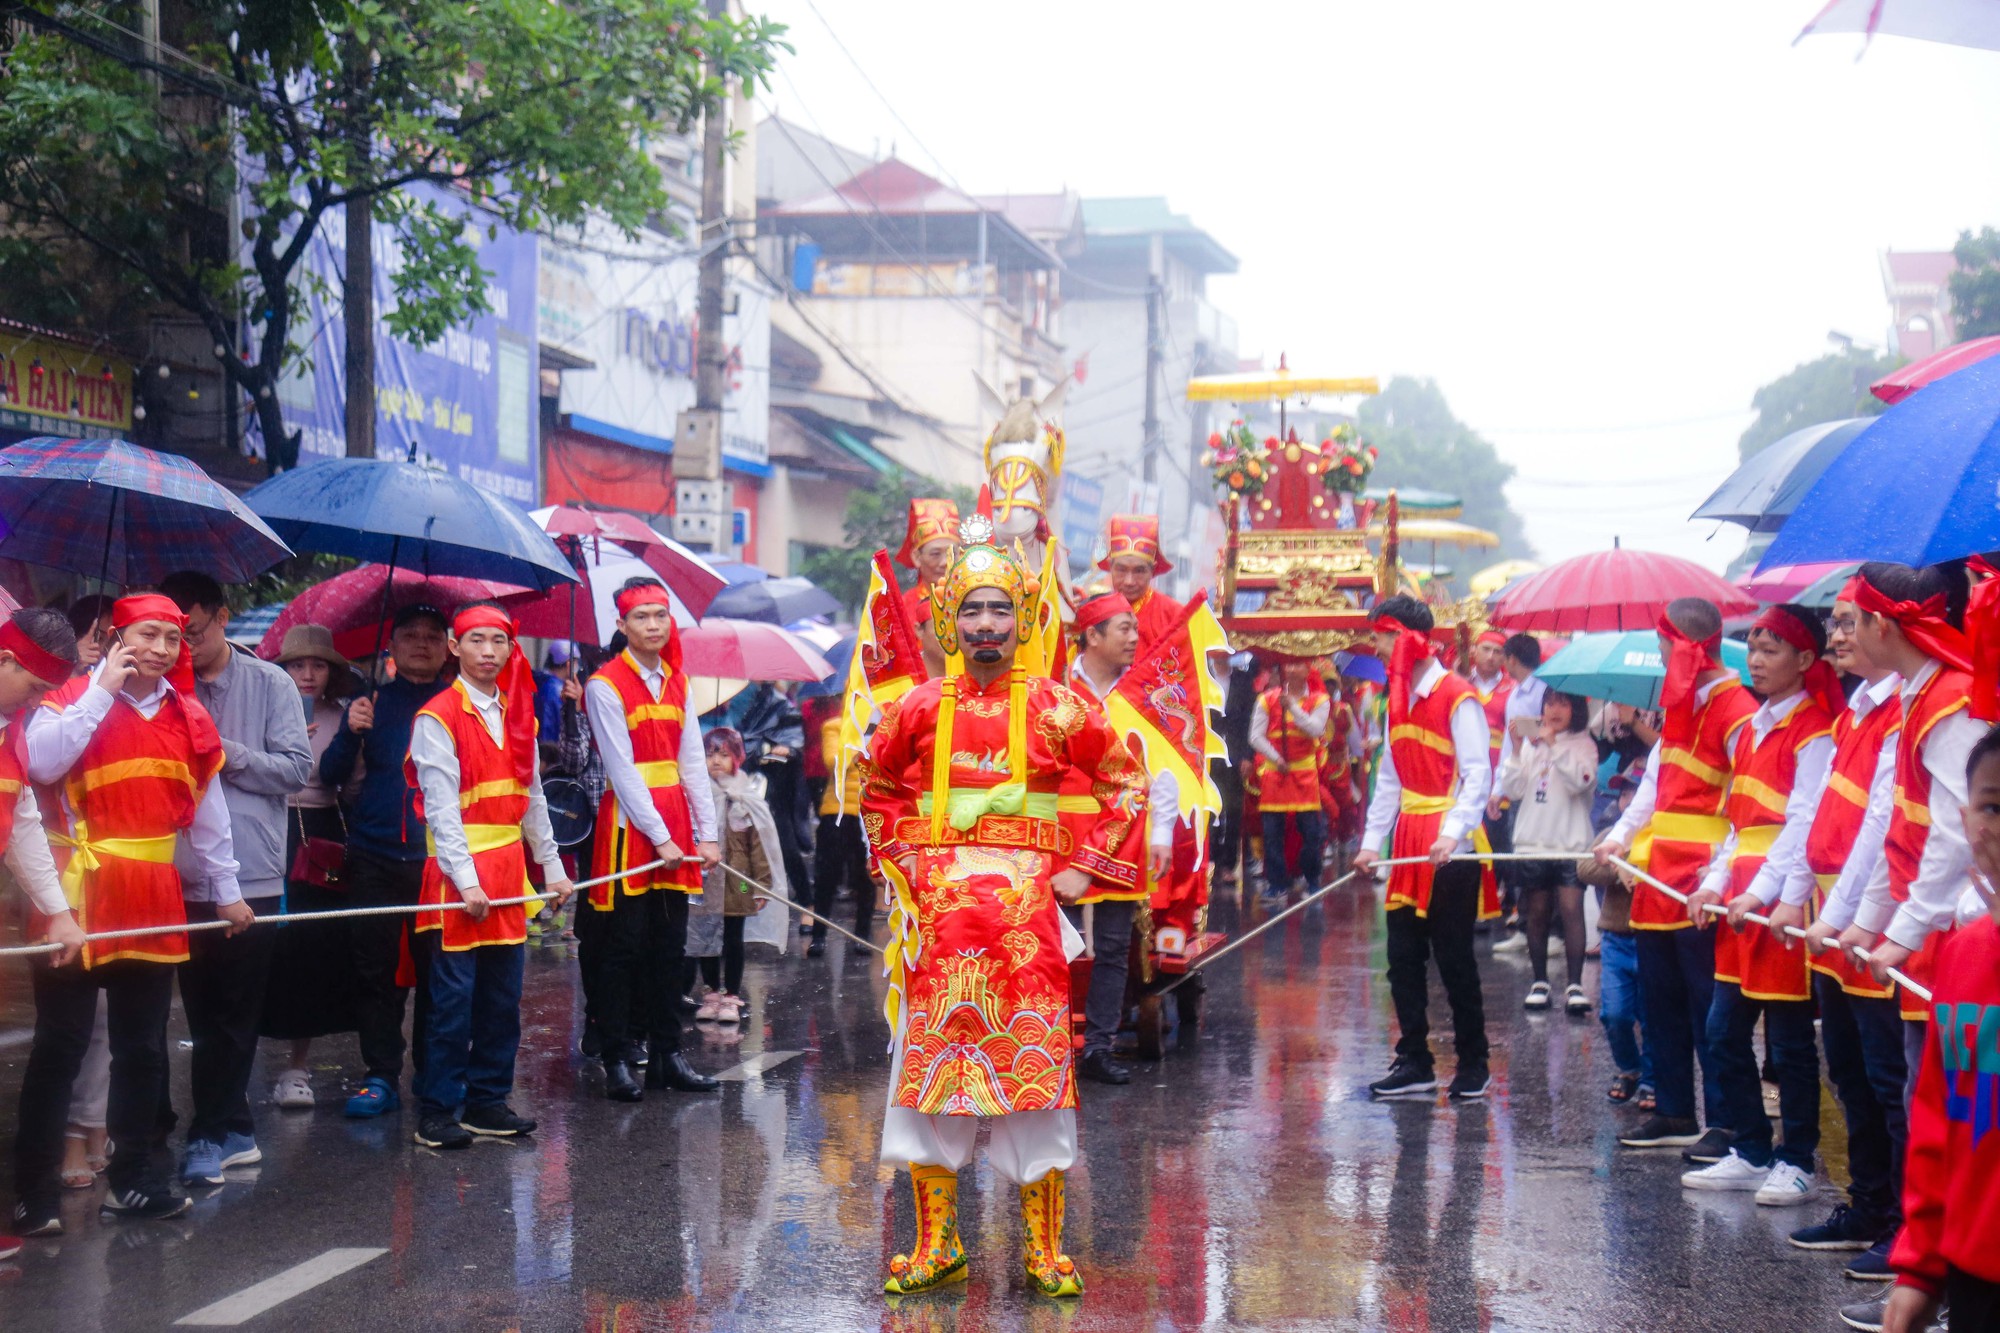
937, 1258
1050, 1271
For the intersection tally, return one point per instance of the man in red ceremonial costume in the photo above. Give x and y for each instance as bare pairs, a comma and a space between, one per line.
927, 547
1776, 775
136, 756
1133, 559
1861, 1030
473, 761
1430, 794
657, 806
1672, 829
1287, 733
960, 800
1107, 643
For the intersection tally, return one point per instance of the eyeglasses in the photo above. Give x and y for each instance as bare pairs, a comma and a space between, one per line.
195, 632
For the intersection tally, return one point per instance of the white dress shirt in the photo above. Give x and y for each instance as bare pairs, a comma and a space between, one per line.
1943, 884
1163, 797
28, 853
614, 746
1640, 813
1312, 721
1785, 874
56, 741
436, 760
1844, 897
1470, 741
1525, 700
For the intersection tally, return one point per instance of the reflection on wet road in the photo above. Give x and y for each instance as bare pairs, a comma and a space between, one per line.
1248, 1183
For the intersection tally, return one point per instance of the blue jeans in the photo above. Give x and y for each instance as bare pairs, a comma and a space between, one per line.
1676, 981
1312, 838
1788, 1031
474, 1030
1863, 1038
1619, 1005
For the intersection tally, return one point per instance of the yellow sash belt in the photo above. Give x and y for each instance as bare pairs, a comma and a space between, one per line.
87, 853
480, 838
1826, 882
1414, 804
1678, 826
659, 772
1756, 840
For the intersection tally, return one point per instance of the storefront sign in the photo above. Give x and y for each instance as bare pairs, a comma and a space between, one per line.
57, 388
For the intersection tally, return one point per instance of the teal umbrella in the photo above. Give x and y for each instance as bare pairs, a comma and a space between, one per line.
1623, 666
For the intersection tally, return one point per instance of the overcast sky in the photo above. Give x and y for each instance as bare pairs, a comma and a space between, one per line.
1598, 226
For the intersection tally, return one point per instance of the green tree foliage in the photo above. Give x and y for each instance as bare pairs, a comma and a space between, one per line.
1423, 445
1975, 288
538, 114
877, 518
1832, 388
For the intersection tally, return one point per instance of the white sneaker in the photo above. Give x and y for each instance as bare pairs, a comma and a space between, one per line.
711, 1008
1575, 1000
294, 1090
1538, 996
731, 1009
1516, 942
1786, 1186
1731, 1173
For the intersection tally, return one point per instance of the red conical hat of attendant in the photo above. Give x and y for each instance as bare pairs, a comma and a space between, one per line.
1134, 534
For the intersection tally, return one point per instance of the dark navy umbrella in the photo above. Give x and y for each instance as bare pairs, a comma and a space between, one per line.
1918, 486
735, 572
126, 514
839, 657
774, 601
409, 517
1763, 492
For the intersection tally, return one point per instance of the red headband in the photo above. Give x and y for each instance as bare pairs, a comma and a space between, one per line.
1923, 622
1494, 637
646, 594
516, 684
1821, 682
1100, 607
481, 617
36, 660
1686, 660
129, 611
1412, 647
1982, 631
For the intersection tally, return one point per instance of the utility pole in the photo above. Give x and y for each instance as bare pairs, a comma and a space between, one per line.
1149, 456
701, 504
357, 288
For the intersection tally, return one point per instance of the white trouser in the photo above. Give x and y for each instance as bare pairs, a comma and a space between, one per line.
1024, 1147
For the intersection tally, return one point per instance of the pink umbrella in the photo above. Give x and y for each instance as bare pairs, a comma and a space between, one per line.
1782, 583
1616, 589
353, 607
578, 531
1901, 383
749, 650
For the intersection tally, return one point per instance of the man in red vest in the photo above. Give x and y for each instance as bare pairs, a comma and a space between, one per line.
473, 760
1430, 793
1861, 1029
1777, 772
1490, 681
1286, 733
657, 806
1672, 828
136, 756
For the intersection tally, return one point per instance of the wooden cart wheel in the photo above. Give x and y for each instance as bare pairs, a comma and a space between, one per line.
1187, 1004
1152, 1027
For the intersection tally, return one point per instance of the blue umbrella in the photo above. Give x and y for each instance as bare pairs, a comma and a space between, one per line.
1917, 487
1362, 666
410, 517
736, 571
1623, 666
1762, 493
774, 601
840, 657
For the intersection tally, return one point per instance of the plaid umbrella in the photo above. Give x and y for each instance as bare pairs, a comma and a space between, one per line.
126, 514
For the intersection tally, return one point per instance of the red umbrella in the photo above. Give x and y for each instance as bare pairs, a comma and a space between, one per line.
1900, 384
1616, 589
579, 531
352, 606
749, 650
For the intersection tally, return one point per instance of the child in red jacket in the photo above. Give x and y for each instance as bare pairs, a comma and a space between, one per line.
1949, 1248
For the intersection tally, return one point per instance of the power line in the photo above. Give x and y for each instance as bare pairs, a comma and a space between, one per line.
936, 161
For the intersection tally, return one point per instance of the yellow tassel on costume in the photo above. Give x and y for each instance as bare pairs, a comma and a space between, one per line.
941, 760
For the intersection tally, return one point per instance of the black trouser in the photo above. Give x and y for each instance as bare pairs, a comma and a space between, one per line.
1110, 960
1500, 836
726, 973
377, 942
1863, 1037
1312, 838
1676, 988
1445, 934
782, 788
137, 997
641, 947
841, 852
222, 990
1227, 836
1974, 1302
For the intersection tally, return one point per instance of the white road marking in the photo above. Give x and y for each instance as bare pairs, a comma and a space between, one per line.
755, 1065
250, 1302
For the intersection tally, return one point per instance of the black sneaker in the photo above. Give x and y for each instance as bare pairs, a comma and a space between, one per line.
441, 1131
1100, 1067
1406, 1078
1844, 1229
1662, 1131
144, 1203
1710, 1148
1469, 1084
37, 1219
1872, 1264
641, 1055
498, 1122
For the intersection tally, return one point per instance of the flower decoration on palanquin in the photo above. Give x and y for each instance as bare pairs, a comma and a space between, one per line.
1238, 461
1345, 462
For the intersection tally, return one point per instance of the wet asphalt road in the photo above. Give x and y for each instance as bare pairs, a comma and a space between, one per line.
1248, 1183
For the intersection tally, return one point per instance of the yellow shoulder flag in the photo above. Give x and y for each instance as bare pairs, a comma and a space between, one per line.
886, 665
1169, 700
